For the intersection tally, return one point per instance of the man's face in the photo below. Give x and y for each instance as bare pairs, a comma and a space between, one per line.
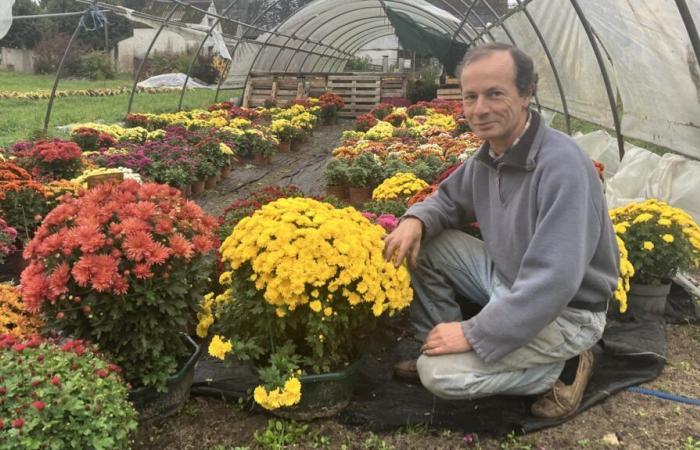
492, 106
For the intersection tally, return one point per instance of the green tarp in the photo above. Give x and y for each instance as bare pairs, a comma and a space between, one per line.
427, 41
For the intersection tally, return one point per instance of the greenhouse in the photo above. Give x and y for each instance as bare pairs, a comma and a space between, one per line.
349, 224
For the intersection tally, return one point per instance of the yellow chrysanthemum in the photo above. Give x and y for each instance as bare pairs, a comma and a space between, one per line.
219, 348
648, 245
401, 185
668, 238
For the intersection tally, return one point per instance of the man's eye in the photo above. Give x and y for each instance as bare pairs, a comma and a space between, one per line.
470, 98
496, 94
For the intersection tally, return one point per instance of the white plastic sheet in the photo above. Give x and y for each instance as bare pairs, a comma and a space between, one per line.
171, 80
5, 16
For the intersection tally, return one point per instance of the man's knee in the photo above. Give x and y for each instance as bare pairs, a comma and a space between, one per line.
443, 245
447, 378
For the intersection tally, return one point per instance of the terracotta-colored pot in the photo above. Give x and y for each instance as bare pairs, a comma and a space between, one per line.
261, 160
197, 187
226, 171
359, 195
296, 145
285, 146
186, 190
210, 183
338, 191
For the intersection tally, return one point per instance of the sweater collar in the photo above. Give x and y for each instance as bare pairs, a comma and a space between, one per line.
520, 155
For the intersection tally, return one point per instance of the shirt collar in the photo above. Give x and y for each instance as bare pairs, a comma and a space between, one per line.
516, 154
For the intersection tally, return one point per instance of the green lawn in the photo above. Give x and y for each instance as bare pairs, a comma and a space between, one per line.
21, 82
19, 119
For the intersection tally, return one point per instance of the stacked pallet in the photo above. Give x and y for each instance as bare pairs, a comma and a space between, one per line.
394, 86
360, 92
450, 90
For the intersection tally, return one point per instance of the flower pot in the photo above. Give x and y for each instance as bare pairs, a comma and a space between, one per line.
359, 195
210, 182
226, 171
330, 120
152, 404
647, 299
285, 146
261, 160
185, 190
197, 187
338, 191
323, 395
13, 266
296, 145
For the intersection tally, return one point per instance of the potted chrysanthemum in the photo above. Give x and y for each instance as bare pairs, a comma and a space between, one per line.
401, 186
125, 266
661, 241
304, 282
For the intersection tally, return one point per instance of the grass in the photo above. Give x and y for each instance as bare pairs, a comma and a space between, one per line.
21, 119
21, 82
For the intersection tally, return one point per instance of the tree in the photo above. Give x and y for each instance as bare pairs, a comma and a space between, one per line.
24, 33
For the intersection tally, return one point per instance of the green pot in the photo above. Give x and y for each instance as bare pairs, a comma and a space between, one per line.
152, 404
645, 298
323, 395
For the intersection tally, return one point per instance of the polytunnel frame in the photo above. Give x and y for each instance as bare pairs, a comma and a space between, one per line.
681, 6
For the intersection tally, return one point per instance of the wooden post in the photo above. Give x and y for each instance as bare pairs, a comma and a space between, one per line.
273, 92
247, 93
300, 87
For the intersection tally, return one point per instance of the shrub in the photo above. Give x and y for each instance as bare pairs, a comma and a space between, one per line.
124, 266
89, 139
48, 54
95, 65
364, 171
661, 240
55, 393
336, 172
14, 317
302, 293
53, 159
22, 200
8, 235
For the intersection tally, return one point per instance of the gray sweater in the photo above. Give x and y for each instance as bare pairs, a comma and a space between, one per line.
545, 224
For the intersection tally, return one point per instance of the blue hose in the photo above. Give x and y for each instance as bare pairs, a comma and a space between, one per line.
664, 395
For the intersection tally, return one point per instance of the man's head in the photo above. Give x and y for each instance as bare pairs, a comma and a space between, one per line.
498, 81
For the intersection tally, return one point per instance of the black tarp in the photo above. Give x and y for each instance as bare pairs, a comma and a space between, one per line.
631, 352
426, 41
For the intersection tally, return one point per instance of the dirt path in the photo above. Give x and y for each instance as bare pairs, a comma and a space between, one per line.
303, 168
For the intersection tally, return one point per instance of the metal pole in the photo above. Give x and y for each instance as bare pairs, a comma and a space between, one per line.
58, 72
552, 65
346, 41
145, 56
604, 72
690, 27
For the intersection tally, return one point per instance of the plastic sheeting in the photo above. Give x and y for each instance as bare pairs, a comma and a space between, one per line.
5, 16
171, 80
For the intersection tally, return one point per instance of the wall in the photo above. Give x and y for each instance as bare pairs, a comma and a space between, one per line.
17, 60
136, 46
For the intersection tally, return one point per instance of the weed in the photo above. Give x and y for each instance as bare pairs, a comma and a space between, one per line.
280, 433
691, 443
374, 442
512, 442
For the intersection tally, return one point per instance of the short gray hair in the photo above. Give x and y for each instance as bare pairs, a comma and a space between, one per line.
525, 75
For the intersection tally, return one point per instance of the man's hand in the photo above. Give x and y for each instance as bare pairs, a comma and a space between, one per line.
446, 338
404, 242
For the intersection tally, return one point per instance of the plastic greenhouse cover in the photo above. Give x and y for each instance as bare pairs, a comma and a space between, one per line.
5, 16
649, 59
173, 80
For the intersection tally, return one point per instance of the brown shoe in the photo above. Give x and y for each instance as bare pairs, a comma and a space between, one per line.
563, 400
407, 370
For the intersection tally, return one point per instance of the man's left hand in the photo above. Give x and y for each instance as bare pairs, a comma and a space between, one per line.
446, 338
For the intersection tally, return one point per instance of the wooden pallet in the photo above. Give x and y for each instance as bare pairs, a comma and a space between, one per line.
450, 90
360, 91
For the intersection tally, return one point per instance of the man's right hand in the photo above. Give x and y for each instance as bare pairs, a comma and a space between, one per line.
404, 242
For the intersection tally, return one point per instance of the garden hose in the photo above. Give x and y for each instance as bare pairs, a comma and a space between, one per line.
665, 395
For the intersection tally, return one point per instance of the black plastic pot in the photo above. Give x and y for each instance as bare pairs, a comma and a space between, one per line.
152, 404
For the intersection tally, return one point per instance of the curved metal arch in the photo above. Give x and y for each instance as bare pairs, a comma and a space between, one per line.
199, 49
357, 46
604, 72
342, 35
464, 16
347, 38
274, 60
352, 22
687, 18
500, 21
163, 24
464, 21
421, 13
560, 87
267, 41
349, 41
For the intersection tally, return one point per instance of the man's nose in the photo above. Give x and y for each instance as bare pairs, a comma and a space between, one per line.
480, 105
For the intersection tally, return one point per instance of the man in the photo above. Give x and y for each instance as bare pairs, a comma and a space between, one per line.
546, 267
